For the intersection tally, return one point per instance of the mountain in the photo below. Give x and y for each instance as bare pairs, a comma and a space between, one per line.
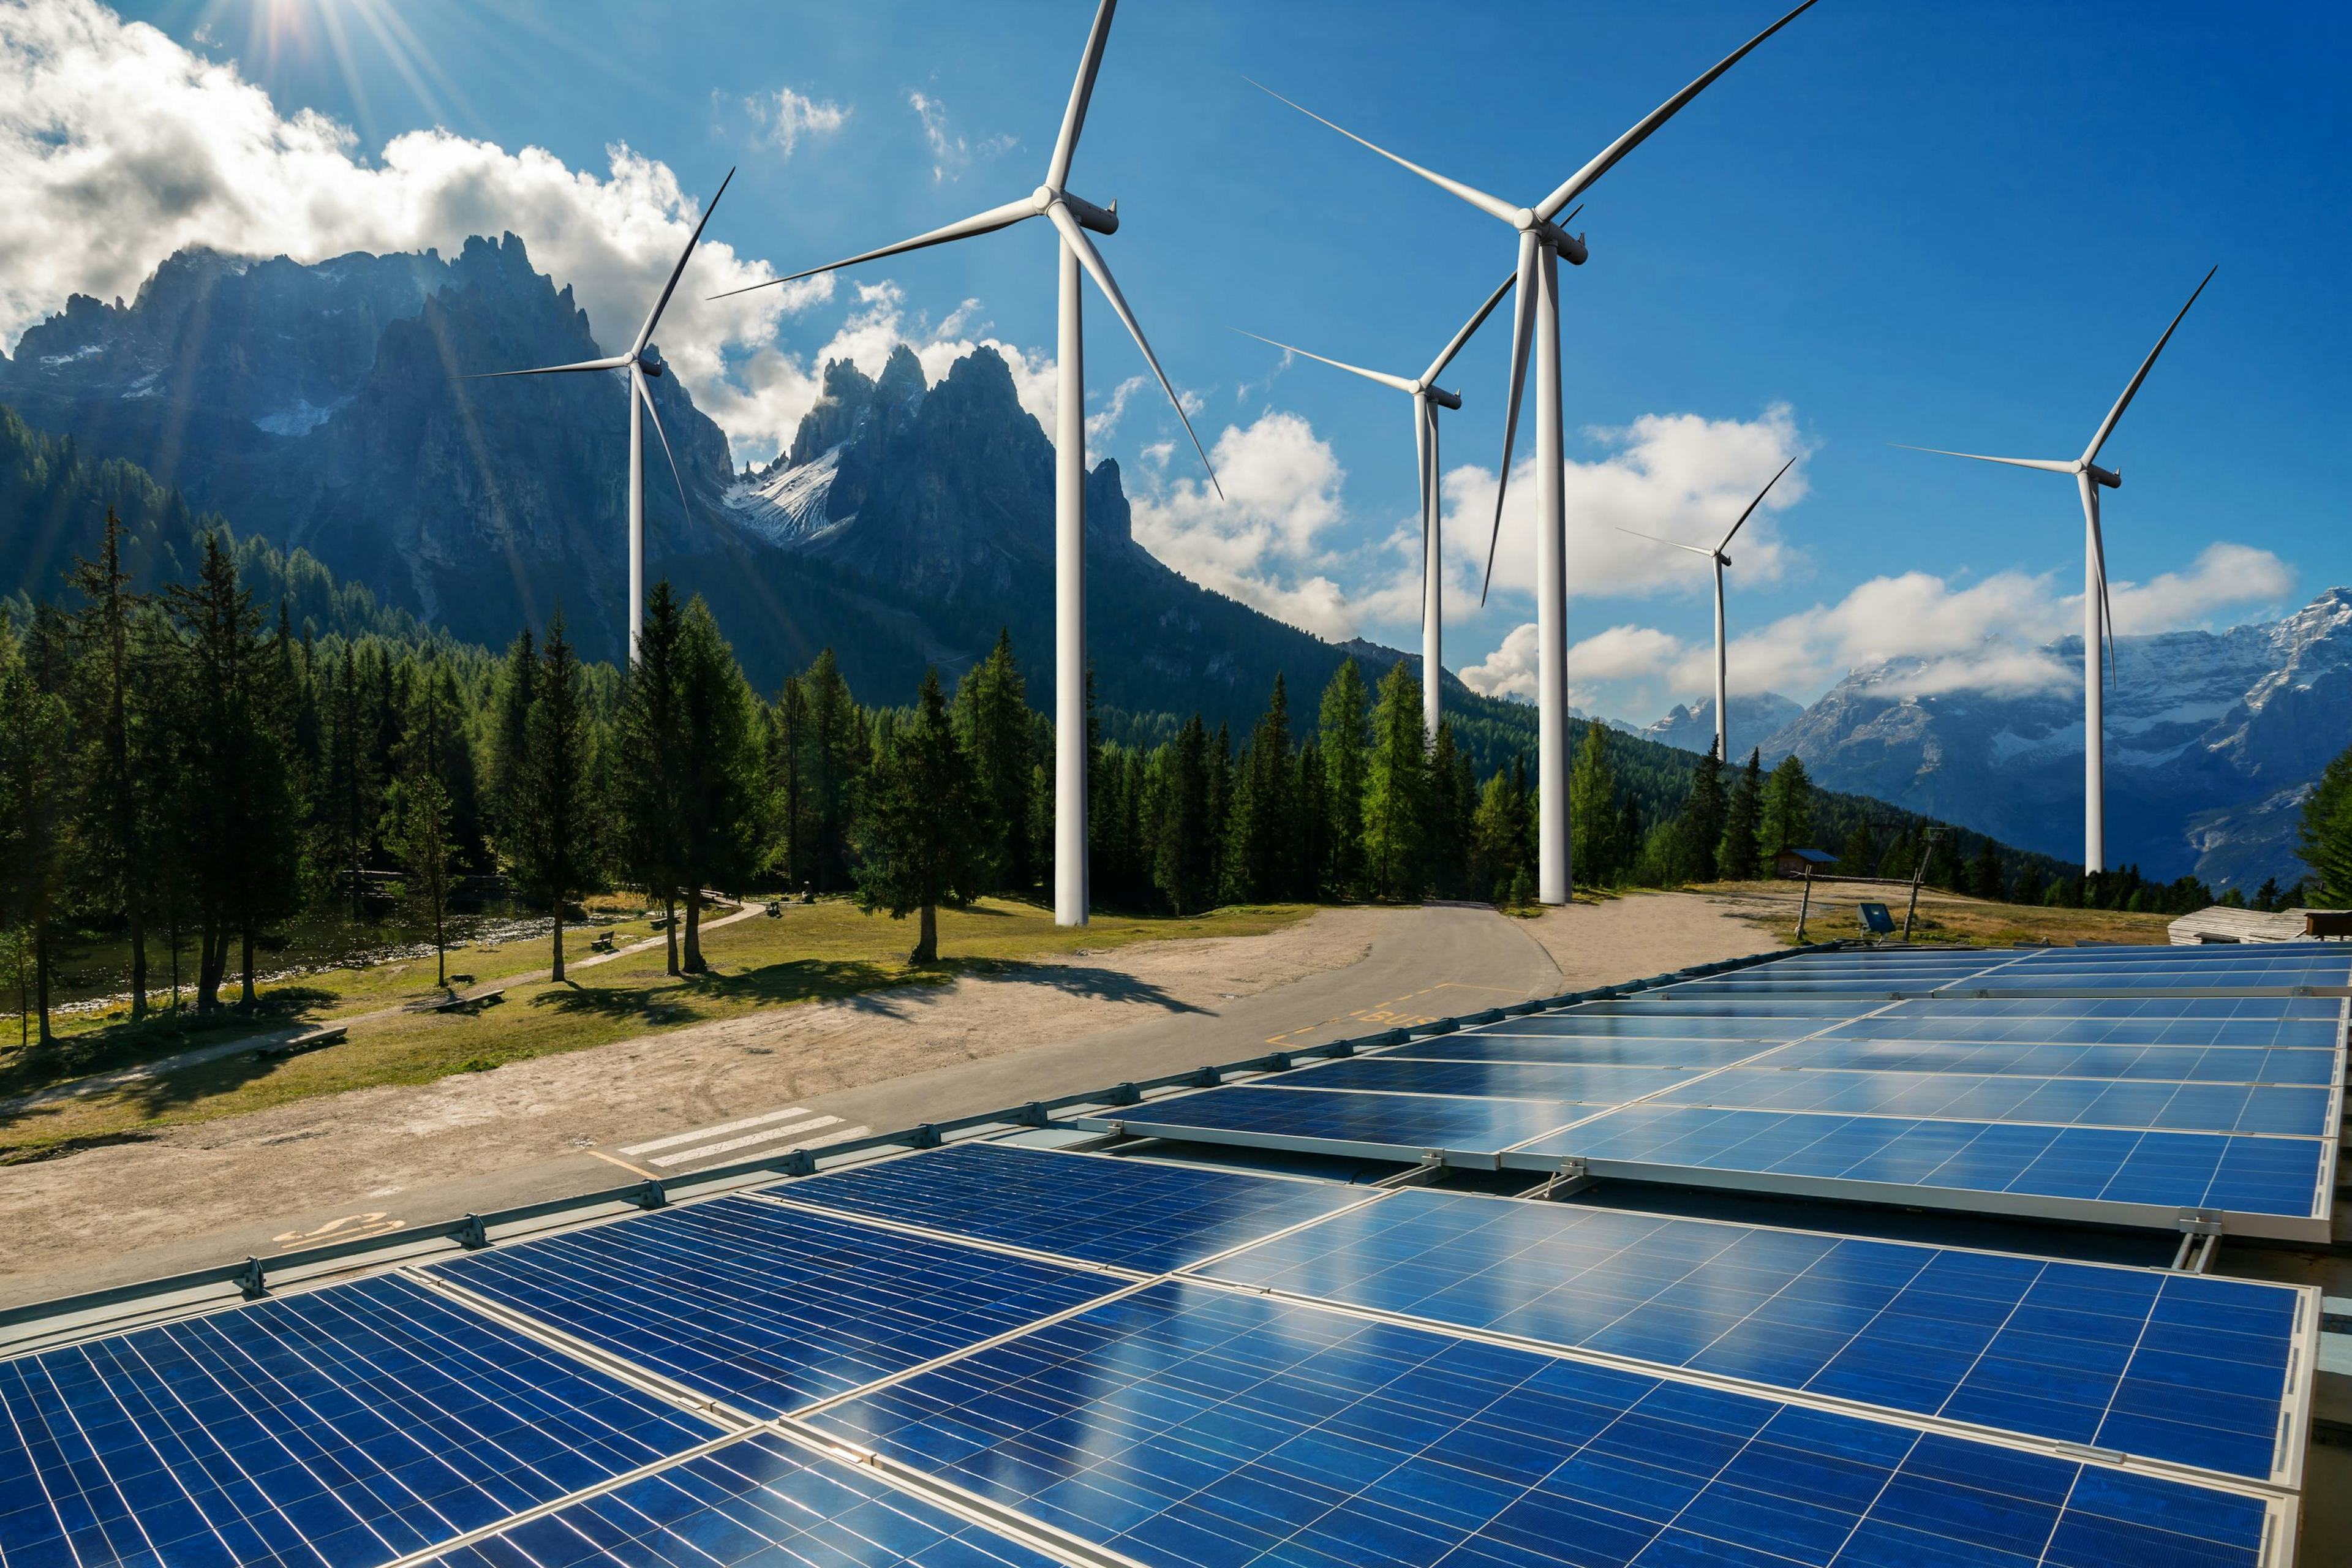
1754, 721
2213, 738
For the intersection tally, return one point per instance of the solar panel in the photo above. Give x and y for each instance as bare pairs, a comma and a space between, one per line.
351, 1425
1483, 1046
763, 1500
1402, 1125
1189, 1425
2172, 1064
1128, 1212
2132, 1177
1587, 1083
1651, 1023
1995, 1021
2177, 1106
770, 1307
2178, 1367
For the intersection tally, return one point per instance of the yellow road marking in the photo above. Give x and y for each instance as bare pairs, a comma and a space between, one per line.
610, 1160
351, 1227
1391, 1012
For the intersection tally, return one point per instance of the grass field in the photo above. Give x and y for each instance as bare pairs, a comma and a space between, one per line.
1948, 919
812, 952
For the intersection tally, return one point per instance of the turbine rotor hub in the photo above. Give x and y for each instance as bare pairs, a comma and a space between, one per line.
649, 361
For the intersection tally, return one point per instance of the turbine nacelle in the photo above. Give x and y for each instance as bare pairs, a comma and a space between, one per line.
1442, 398
1570, 247
2110, 478
649, 361
1101, 220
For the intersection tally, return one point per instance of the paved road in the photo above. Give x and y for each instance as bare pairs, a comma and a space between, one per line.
1443, 961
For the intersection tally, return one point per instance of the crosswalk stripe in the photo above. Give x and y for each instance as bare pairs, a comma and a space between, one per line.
707, 1150
719, 1132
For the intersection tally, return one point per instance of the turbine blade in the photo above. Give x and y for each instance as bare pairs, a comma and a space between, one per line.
1437, 366
1074, 118
2091, 452
1492, 206
1091, 259
987, 222
1609, 156
617, 362
1753, 505
684, 506
1399, 383
1653, 538
1523, 329
2051, 464
2099, 561
1424, 453
646, 333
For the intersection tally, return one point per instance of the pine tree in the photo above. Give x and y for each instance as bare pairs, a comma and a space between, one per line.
1221, 809
2327, 839
1263, 863
992, 713
34, 799
840, 749
1312, 798
555, 859
1788, 815
720, 778
1453, 798
917, 847
1340, 731
517, 689
1593, 816
1181, 867
2268, 898
787, 736
112, 834
163, 743
653, 764
1396, 789
1985, 879
1701, 836
1739, 859
1498, 833
354, 795
421, 830
1859, 856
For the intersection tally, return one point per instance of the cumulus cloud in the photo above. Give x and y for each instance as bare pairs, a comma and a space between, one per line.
951, 153
1675, 475
785, 117
1510, 669
1264, 540
118, 147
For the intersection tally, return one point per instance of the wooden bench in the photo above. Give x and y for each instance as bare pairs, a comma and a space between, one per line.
310, 1040
470, 1004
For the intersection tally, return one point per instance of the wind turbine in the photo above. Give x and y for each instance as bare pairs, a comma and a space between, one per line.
2097, 617
642, 360
1428, 397
1716, 555
1072, 217
1542, 242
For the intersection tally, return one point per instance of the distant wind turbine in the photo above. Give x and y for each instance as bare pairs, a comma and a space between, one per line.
1428, 397
1542, 242
2098, 618
642, 360
1716, 555
1072, 218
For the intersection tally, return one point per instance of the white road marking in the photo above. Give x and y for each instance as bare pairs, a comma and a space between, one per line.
724, 1127
707, 1150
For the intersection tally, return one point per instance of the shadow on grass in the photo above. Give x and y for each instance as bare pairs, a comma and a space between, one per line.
29, 1069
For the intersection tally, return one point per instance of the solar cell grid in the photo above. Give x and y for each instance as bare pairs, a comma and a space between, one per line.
1585, 1083
2182, 1368
2172, 1064
1678, 1001
349, 1426
762, 1501
2065, 1102
2249, 1176
1400, 1122
1483, 1046
1128, 1213
770, 1307
1579, 1023
1987, 1026
1186, 1425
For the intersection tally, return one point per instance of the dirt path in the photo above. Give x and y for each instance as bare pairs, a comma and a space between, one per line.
1643, 934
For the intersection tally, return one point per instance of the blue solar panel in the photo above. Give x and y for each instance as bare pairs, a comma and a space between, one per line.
1128, 1213
1413, 1121
1654, 1023
2172, 1064
1483, 1046
1189, 1427
769, 1307
760, 1502
1583, 1082
1990, 1022
2175, 1107
2170, 1366
2176, 1169
1679, 1001
347, 1427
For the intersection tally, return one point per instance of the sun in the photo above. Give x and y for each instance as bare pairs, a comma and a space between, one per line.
276, 40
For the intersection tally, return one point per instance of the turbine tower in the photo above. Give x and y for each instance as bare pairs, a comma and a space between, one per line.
1542, 242
642, 360
1072, 218
1428, 397
2097, 619
1716, 555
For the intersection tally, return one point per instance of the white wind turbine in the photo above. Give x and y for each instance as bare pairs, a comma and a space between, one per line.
2098, 618
1537, 316
642, 360
1428, 397
1072, 217
1716, 555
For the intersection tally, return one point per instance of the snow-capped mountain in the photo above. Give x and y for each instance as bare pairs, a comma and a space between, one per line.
2212, 739
1754, 721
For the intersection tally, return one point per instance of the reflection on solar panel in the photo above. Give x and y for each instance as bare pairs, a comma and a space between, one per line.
1590, 1023
352, 1426
762, 1501
1187, 1425
2170, 1064
1403, 1121
1481, 1046
2171, 1366
2177, 1106
1131, 1214
770, 1307
1583, 1083
2143, 1177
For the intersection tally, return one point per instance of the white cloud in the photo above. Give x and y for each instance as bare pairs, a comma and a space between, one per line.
1510, 669
1262, 541
785, 117
1623, 653
1675, 475
118, 147
951, 153
2223, 575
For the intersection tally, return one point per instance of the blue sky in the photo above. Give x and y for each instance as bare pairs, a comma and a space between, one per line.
1959, 226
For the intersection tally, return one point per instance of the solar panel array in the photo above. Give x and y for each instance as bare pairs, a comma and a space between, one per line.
996, 1354
2107, 1085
